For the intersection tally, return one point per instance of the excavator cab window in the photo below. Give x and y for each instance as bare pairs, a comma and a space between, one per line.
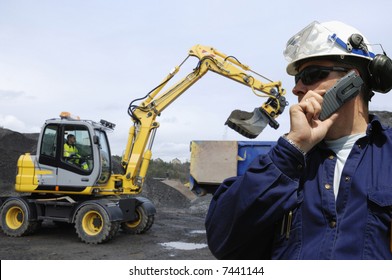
48, 148
104, 148
77, 148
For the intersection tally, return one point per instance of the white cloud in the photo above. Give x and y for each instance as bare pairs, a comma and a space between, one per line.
12, 123
7, 95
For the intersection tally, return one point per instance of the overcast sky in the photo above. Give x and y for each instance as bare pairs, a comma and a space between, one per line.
92, 58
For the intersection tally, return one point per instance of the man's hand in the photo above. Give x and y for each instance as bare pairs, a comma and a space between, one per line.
306, 130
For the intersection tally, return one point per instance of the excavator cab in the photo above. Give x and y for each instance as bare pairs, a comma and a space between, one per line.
71, 155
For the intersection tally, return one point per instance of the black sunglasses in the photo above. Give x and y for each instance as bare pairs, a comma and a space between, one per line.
312, 74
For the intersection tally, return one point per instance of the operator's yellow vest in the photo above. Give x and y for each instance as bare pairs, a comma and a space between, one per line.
70, 150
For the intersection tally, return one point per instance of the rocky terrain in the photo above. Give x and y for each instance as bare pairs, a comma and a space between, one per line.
12, 145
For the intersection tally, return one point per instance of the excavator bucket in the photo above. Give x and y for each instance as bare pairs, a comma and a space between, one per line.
246, 123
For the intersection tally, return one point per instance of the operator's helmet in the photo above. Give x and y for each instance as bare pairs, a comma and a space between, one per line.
332, 40
70, 136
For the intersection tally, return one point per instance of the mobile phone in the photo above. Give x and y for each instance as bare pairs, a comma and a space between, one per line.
345, 89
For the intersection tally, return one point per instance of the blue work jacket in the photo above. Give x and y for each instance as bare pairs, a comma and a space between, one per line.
284, 207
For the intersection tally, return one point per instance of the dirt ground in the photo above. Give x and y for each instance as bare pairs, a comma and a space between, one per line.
177, 233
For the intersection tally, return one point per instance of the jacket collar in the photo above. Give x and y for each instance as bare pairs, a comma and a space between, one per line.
375, 126
374, 129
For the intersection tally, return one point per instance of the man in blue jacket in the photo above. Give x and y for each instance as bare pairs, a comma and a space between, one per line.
325, 190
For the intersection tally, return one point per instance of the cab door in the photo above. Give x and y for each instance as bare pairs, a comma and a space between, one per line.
77, 170
47, 156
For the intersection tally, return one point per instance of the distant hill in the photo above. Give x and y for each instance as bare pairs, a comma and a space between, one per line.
13, 144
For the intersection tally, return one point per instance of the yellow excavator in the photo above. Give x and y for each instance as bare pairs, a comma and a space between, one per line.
70, 178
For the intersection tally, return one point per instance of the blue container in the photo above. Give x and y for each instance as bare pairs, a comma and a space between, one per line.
249, 150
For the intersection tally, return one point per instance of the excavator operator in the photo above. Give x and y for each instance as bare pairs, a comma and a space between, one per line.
71, 153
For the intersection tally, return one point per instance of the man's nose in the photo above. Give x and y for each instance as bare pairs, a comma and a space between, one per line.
299, 89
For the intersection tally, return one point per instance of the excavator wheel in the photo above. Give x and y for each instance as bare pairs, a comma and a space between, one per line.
142, 223
16, 218
93, 225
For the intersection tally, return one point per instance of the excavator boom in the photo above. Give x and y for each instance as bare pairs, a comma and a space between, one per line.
137, 154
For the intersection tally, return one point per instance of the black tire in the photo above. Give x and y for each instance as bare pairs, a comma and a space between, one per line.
16, 218
142, 223
93, 225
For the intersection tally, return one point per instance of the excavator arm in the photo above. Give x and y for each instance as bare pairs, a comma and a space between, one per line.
138, 153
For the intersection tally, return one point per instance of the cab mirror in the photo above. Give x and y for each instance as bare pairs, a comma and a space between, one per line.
96, 140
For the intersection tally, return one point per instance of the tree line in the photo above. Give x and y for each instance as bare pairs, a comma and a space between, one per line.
160, 169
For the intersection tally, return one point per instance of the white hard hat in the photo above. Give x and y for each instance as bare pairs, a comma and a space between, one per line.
324, 39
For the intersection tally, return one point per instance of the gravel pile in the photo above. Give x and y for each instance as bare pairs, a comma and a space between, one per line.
164, 195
